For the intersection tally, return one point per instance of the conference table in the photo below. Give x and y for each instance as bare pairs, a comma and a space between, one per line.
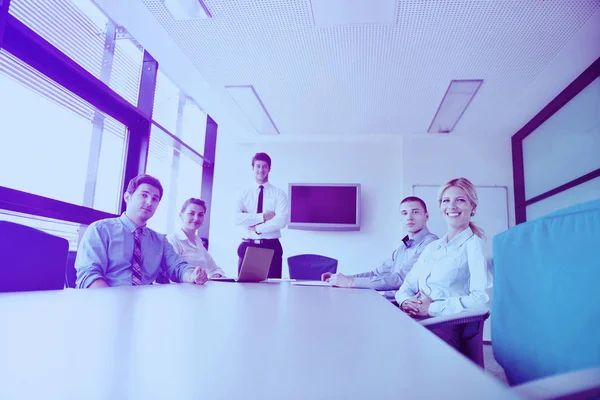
225, 341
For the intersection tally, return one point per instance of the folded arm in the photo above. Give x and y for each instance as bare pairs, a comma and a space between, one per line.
243, 217
280, 220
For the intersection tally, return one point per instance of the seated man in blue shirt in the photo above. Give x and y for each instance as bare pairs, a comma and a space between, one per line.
390, 275
124, 252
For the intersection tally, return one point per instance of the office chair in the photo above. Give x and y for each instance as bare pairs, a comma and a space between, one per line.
471, 322
546, 314
310, 267
31, 259
70, 272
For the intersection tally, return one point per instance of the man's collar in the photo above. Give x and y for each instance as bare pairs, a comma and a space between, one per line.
421, 234
257, 185
129, 224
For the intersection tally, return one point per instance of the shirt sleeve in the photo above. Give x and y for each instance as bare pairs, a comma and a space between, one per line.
478, 283
174, 241
384, 277
172, 263
211, 266
410, 286
381, 278
92, 256
282, 214
243, 217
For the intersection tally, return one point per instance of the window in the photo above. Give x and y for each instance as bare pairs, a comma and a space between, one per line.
166, 103
180, 176
175, 115
67, 230
193, 125
62, 147
82, 32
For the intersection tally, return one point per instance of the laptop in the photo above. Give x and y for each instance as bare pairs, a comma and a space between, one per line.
255, 266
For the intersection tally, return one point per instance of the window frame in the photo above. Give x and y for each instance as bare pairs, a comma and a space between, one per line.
521, 202
22, 42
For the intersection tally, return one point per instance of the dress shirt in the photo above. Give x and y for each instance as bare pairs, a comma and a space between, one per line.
390, 275
194, 254
106, 252
274, 199
454, 274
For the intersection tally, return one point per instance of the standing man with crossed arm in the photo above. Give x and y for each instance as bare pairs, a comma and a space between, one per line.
262, 211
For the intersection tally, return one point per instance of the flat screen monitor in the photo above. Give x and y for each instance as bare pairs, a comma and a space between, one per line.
324, 206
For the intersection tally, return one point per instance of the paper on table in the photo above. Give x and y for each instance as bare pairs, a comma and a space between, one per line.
279, 280
311, 283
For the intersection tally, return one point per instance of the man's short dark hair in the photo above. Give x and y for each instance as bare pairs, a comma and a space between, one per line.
262, 157
134, 183
416, 199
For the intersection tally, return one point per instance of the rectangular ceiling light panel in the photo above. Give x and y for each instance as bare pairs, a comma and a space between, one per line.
252, 106
458, 96
187, 9
353, 12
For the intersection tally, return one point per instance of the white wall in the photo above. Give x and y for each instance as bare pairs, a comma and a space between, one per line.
434, 160
386, 167
376, 166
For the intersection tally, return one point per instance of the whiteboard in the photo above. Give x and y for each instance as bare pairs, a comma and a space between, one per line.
491, 214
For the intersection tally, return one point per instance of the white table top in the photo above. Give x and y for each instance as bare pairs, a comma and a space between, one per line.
226, 341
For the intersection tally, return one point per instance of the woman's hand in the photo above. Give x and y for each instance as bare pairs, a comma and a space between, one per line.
216, 276
417, 306
197, 276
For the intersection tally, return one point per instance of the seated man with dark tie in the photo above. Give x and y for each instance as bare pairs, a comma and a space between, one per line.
124, 252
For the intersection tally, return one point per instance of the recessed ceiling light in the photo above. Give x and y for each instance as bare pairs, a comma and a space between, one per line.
252, 106
187, 9
458, 96
353, 12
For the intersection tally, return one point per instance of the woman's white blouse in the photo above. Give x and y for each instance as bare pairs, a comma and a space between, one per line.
194, 254
454, 274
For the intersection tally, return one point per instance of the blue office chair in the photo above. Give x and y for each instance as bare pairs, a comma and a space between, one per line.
31, 259
310, 267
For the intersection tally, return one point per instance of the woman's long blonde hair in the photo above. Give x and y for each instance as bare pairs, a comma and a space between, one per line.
469, 189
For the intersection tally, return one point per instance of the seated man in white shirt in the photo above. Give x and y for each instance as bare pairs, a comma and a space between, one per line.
390, 275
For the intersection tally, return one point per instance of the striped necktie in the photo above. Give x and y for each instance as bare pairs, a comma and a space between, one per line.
136, 262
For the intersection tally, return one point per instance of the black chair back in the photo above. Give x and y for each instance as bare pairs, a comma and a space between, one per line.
31, 259
70, 272
310, 267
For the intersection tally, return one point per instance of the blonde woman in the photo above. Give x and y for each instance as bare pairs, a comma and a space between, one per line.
188, 244
451, 275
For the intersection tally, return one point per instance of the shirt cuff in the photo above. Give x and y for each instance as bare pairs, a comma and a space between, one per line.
436, 308
183, 271
363, 282
90, 279
401, 297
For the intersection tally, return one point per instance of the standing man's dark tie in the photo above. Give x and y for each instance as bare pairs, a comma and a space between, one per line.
259, 207
136, 262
